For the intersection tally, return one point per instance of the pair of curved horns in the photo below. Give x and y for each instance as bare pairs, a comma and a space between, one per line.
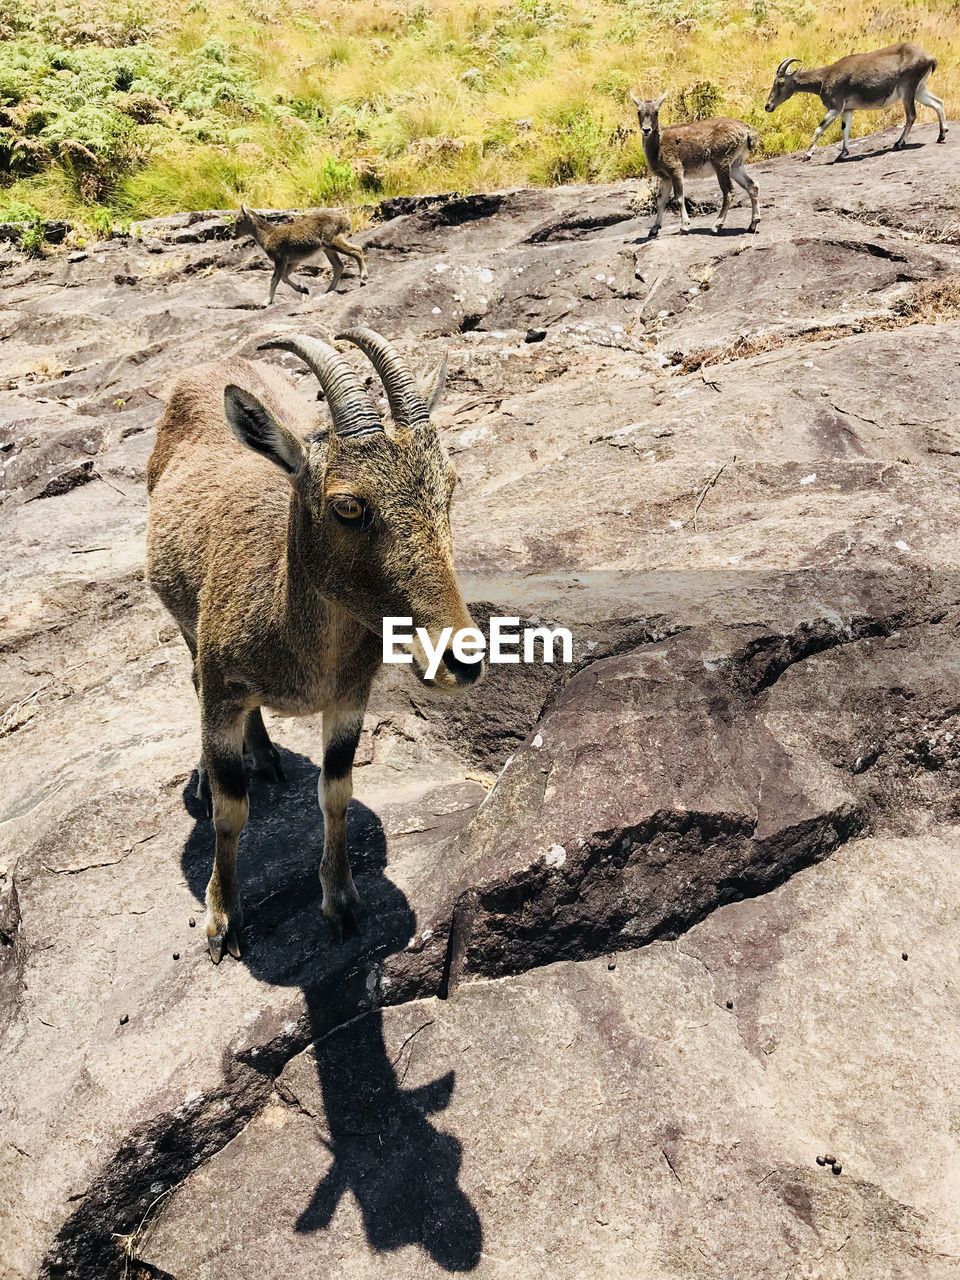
784, 67
350, 407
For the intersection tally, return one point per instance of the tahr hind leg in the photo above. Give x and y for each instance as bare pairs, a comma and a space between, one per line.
681, 195
909, 116
257, 744
743, 179
341, 733
726, 189
845, 121
274, 281
222, 733
337, 263
354, 251
928, 99
203, 782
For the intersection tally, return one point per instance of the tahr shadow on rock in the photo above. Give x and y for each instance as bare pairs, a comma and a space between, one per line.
402, 1171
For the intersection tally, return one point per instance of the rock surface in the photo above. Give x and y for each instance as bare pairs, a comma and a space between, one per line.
732, 469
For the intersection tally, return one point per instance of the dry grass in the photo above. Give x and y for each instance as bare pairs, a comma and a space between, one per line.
939, 232
45, 369
930, 302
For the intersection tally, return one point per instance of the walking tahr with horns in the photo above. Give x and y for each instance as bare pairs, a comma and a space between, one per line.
863, 82
279, 544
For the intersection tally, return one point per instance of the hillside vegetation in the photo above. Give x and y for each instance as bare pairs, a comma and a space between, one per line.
119, 110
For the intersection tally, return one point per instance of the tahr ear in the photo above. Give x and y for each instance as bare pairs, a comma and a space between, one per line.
432, 384
255, 426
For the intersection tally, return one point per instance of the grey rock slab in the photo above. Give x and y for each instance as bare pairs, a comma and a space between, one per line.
710, 766
757, 561
615, 1118
159, 1059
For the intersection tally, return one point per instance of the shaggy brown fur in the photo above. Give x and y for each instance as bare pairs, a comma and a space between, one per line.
692, 150
279, 561
863, 82
291, 244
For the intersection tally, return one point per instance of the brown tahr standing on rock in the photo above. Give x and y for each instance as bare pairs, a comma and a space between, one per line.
291, 244
279, 545
863, 82
696, 150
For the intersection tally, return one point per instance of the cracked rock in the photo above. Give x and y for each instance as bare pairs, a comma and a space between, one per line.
744, 786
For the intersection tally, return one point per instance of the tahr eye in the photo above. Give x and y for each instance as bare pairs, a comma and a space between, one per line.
347, 509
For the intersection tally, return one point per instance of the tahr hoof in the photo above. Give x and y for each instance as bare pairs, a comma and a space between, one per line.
943, 136
270, 769
653, 232
347, 925
343, 912
224, 936
363, 279
899, 145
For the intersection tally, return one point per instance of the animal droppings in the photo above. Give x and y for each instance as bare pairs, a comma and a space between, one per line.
829, 1159
192, 923
838, 1167
821, 1161
729, 1004
124, 1019
904, 956
176, 955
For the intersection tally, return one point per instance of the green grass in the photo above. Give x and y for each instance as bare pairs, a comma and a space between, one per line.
112, 110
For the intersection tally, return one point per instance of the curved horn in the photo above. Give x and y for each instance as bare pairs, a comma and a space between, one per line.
784, 67
406, 403
350, 407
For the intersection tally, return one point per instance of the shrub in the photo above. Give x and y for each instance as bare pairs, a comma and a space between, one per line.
142, 107
33, 235
574, 153
613, 84
699, 101
100, 138
334, 182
